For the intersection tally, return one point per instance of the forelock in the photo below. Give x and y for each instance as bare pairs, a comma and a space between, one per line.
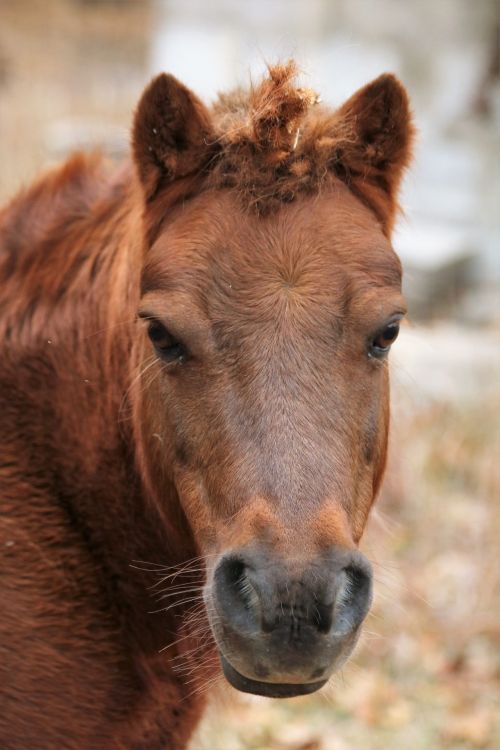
274, 141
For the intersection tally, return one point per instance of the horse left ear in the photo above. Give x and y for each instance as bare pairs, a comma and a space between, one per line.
376, 135
171, 134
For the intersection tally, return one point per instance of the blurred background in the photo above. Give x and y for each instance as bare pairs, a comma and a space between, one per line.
426, 674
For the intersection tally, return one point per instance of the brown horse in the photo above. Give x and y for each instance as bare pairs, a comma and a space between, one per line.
194, 404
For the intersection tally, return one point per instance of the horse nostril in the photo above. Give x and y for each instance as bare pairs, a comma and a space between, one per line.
232, 571
235, 592
354, 598
237, 580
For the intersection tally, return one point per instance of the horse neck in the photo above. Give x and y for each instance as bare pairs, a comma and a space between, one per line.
70, 258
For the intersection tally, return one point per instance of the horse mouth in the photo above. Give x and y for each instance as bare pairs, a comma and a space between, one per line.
267, 689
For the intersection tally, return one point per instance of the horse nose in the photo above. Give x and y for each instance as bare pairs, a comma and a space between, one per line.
283, 625
328, 596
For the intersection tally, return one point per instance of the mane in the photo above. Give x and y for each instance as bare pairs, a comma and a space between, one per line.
59, 200
61, 245
275, 141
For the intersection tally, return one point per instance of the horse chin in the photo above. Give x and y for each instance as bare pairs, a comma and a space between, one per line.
267, 689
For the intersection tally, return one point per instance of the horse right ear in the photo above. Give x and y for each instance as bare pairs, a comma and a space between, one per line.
171, 134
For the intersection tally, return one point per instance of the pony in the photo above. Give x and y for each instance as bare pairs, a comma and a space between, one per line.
194, 400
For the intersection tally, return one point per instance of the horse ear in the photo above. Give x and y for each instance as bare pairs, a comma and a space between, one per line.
171, 134
376, 143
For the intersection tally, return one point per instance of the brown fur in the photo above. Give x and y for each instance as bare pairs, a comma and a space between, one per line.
277, 142
95, 474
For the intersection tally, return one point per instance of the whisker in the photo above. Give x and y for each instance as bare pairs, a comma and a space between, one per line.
126, 322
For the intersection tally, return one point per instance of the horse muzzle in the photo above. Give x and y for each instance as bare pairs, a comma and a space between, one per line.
283, 627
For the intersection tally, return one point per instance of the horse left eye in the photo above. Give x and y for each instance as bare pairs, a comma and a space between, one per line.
381, 344
165, 344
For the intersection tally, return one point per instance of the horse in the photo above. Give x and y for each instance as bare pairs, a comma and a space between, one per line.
194, 400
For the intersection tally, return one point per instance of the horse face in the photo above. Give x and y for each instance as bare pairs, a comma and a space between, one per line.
264, 400
265, 383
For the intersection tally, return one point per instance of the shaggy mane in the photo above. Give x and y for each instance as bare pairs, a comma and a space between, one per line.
275, 141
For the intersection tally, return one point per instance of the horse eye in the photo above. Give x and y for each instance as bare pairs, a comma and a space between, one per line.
165, 344
381, 344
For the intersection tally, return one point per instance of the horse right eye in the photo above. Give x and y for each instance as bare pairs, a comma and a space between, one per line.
167, 347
